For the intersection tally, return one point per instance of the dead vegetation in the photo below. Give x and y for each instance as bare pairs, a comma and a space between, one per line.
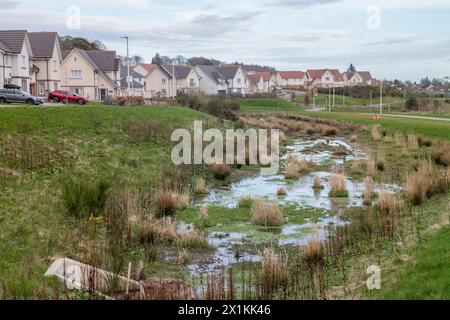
266, 213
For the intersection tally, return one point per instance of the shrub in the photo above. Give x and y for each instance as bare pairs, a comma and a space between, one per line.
411, 103
221, 171
266, 214
338, 184
389, 204
82, 199
128, 101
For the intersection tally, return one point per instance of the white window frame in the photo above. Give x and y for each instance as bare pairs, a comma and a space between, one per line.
76, 74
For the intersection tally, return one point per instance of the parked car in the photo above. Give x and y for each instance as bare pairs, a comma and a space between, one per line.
19, 96
66, 96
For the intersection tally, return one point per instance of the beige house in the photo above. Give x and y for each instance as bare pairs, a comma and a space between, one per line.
357, 78
46, 61
16, 54
256, 83
168, 80
325, 78
291, 79
266, 78
94, 74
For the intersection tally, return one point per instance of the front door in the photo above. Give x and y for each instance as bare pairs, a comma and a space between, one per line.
102, 93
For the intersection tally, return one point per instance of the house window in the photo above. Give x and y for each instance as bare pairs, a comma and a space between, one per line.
25, 85
327, 79
7, 60
192, 83
163, 92
55, 85
78, 91
163, 80
55, 64
239, 81
41, 88
24, 60
75, 74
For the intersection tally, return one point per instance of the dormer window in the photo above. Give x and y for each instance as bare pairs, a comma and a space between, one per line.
24, 60
163, 80
239, 80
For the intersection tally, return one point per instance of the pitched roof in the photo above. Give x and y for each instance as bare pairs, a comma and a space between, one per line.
264, 74
42, 43
147, 66
4, 47
13, 39
229, 71
98, 59
212, 72
105, 60
135, 85
365, 75
255, 78
318, 73
181, 70
292, 74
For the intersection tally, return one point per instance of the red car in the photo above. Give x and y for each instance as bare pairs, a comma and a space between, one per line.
66, 96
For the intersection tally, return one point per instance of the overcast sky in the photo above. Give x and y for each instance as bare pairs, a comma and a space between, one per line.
404, 39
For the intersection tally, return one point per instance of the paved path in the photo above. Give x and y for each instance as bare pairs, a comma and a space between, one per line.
416, 117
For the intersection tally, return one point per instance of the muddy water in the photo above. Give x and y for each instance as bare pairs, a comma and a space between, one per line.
233, 247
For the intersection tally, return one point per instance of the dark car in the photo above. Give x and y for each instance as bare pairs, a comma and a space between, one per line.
66, 96
19, 96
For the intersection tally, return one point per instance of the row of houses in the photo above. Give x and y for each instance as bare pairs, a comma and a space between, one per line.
35, 62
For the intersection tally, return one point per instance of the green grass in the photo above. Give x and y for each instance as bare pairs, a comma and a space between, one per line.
322, 99
426, 275
267, 105
34, 225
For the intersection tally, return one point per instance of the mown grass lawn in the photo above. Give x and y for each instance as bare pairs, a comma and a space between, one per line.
426, 275
430, 128
322, 99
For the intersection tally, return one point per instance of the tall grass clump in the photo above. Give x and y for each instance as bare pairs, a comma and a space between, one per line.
266, 213
338, 185
381, 160
165, 204
273, 273
314, 256
425, 183
193, 239
440, 154
413, 144
368, 193
221, 171
82, 199
375, 133
399, 139
389, 207
246, 202
200, 186
281, 192
317, 183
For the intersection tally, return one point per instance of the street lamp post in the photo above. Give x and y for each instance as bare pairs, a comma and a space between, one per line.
128, 64
381, 97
